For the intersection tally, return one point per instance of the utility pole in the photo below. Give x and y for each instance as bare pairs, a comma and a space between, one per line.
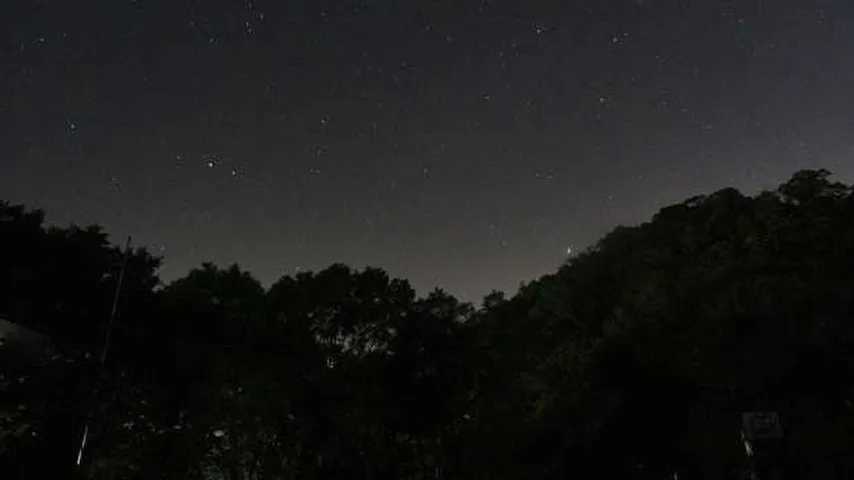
115, 306
102, 358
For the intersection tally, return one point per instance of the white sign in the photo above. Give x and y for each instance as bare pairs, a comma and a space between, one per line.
761, 425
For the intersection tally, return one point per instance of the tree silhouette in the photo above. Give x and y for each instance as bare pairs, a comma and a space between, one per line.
634, 359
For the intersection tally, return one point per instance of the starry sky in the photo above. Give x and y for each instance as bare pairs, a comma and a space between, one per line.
462, 144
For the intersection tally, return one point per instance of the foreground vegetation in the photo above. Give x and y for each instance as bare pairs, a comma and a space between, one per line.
634, 359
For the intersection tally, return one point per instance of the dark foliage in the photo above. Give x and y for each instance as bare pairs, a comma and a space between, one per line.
635, 359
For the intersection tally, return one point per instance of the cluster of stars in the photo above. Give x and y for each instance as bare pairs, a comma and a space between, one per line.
521, 80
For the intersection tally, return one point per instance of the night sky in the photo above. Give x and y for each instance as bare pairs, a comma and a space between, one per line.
461, 144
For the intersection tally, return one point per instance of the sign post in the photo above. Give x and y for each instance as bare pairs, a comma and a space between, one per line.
762, 434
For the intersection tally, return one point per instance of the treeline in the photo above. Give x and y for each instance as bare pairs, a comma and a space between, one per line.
635, 359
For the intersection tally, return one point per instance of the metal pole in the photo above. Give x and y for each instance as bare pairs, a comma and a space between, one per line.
115, 307
103, 357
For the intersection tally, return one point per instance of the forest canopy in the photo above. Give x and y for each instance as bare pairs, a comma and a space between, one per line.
636, 358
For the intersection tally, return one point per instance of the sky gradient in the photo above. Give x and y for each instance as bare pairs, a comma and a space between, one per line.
460, 144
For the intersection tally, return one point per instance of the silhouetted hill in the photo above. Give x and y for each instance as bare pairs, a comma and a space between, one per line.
637, 358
